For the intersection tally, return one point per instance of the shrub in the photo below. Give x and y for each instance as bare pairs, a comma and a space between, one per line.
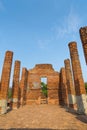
44, 88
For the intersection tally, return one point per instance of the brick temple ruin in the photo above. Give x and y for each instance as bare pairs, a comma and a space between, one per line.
64, 88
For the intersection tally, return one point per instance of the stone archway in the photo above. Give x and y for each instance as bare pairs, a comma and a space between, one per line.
34, 84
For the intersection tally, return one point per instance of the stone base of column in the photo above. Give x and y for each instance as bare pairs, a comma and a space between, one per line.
81, 104
3, 106
22, 102
73, 106
15, 103
72, 101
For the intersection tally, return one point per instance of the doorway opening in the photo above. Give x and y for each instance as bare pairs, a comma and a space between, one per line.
44, 91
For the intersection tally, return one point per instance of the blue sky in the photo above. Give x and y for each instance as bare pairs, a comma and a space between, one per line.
38, 31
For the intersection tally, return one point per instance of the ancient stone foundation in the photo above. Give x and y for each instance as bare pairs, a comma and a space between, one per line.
70, 85
83, 36
15, 86
5, 78
78, 79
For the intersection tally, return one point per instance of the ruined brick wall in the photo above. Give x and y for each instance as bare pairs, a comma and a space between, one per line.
34, 83
53, 88
83, 36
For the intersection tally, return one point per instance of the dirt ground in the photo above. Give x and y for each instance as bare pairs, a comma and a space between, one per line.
43, 117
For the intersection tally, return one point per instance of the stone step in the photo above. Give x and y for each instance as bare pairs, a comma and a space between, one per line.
43, 101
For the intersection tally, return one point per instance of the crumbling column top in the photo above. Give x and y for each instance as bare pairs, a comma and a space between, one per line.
81, 29
9, 52
73, 43
66, 60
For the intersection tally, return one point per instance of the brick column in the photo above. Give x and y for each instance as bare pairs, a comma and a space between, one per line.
5, 79
63, 86
23, 86
70, 85
60, 90
15, 86
78, 79
83, 36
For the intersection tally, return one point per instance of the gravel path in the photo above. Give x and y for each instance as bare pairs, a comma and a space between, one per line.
42, 117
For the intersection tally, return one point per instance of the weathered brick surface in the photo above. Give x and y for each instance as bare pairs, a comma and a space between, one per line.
70, 84
23, 86
60, 91
83, 36
34, 83
78, 78
77, 72
5, 79
15, 86
63, 85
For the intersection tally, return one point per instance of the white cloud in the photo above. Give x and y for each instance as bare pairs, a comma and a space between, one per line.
67, 30
69, 26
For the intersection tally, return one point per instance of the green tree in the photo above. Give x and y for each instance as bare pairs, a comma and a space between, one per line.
86, 86
10, 93
44, 89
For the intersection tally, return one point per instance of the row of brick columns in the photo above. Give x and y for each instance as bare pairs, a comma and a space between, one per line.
18, 87
73, 93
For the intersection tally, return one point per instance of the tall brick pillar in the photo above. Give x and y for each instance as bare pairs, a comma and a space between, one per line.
23, 86
83, 36
63, 86
70, 85
5, 79
78, 79
15, 86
